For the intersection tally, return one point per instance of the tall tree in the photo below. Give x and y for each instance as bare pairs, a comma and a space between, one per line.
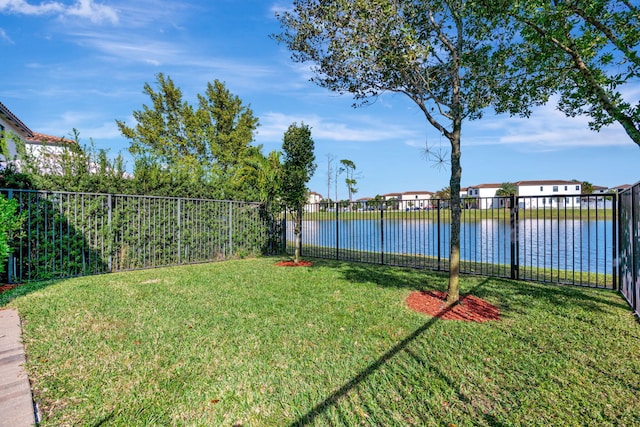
349, 168
586, 50
208, 145
439, 53
330, 159
297, 169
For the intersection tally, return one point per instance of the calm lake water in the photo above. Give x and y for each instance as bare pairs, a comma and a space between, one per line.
567, 244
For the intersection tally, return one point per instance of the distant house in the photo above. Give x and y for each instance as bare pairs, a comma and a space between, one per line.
556, 194
313, 199
484, 195
47, 148
621, 188
533, 194
597, 189
393, 198
414, 200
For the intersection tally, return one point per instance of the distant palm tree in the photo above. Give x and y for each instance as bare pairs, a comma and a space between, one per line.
508, 189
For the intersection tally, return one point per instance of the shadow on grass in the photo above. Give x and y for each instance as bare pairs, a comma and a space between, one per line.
513, 295
334, 399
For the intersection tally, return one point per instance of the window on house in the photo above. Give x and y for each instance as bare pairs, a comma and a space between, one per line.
577, 188
541, 188
555, 188
565, 188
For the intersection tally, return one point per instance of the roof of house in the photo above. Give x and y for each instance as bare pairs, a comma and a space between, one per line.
418, 192
29, 135
42, 138
486, 186
392, 194
548, 182
12, 118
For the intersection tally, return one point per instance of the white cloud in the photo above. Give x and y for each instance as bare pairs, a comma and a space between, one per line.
4, 36
95, 12
273, 126
88, 9
546, 130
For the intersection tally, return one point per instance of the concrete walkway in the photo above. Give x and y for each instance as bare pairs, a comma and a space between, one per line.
16, 403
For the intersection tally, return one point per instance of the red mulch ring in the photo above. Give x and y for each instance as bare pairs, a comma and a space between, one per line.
4, 288
300, 263
468, 309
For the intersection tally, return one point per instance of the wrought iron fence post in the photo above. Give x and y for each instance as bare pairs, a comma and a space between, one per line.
614, 240
634, 252
179, 232
10, 258
337, 235
111, 233
230, 229
439, 236
513, 220
381, 234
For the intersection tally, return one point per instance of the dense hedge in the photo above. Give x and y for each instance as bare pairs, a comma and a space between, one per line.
69, 234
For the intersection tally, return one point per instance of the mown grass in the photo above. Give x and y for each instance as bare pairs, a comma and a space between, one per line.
246, 343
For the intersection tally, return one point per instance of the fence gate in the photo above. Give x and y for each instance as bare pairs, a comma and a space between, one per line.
629, 236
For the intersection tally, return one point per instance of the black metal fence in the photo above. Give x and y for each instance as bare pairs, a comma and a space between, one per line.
561, 239
629, 262
70, 234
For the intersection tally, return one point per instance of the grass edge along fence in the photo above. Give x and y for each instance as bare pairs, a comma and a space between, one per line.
554, 239
67, 234
629, 246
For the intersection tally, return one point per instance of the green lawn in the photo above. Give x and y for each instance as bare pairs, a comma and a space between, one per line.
246, 343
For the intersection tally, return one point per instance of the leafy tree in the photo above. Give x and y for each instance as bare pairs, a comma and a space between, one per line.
587, 187
208, 145
349, 168
297, 169
507, 189
586, 50
443, 194
439, 53
9, 224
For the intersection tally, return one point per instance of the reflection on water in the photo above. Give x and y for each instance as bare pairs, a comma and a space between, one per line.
567, 244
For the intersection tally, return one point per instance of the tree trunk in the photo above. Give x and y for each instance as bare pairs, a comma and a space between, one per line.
453, 292
298, 232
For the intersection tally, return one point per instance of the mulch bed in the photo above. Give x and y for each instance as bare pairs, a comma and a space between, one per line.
468, 309
300, 263
4, 288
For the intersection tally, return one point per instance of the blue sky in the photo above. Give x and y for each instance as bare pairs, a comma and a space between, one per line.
83, 64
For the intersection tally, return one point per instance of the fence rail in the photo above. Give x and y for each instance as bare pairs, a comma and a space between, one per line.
70, 234
559, 239
629, 263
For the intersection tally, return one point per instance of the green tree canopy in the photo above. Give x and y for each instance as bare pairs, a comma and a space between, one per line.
439, 53
209, 146
507, 189
349, 168
584, 50
297, 169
